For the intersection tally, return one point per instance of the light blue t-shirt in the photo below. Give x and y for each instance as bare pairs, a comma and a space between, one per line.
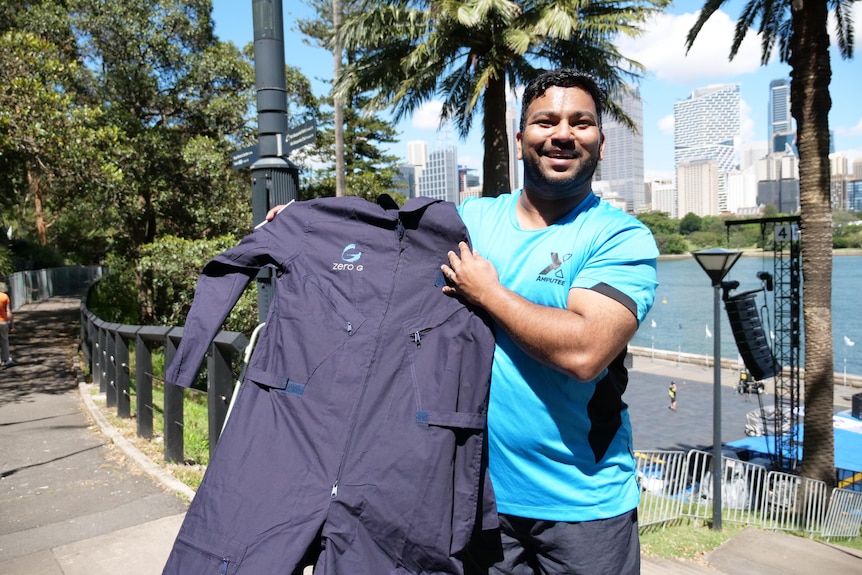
561, 449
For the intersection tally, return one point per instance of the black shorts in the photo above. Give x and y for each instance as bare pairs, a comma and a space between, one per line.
535, 547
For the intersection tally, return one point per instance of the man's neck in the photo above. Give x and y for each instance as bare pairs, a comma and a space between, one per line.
536, 212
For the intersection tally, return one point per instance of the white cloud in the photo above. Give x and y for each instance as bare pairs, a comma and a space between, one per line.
661, 49
665, 125
427, 117
853, 154
851, 131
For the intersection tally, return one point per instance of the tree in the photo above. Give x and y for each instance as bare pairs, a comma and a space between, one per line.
52, 145
368, 170
690, 223
181, 101
800, 30
410, 51
659, 222
665, 230
363, 168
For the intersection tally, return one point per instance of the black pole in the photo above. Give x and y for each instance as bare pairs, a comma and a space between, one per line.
274, 178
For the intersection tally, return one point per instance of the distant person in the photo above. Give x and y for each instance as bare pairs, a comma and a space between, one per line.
671, 391
745, 384
7, 326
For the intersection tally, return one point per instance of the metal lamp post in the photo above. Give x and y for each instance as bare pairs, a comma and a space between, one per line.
716, 262
275, 179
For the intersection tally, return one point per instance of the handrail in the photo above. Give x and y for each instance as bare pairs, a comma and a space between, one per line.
105, 348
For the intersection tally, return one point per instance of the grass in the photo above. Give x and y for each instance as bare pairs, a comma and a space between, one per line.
685, 539
693, 540
195, 427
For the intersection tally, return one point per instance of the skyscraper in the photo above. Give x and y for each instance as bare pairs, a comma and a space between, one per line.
417, 156
623, 164
439, 178
780, 130
706, 125
697, 188
513, 122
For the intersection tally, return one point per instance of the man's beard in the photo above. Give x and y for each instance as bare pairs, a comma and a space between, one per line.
545, 179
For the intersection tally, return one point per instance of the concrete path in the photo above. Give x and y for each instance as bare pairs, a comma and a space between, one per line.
76, 498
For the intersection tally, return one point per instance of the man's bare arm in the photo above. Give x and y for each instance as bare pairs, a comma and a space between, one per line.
580, 341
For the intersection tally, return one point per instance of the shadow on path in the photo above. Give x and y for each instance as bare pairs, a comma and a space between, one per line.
39, 327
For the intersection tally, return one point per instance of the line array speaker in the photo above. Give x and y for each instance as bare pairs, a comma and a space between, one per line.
750, 337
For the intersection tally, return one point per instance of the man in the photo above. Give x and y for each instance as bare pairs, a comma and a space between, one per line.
671, 392
567, 279
6, 326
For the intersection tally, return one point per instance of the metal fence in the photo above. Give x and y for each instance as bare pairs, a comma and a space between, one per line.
107, 352
37, 285
676, 485
844, 516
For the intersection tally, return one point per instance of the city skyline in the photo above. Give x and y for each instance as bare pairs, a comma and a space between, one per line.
671, 76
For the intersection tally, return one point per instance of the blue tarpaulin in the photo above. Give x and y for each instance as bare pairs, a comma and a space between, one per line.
848, 443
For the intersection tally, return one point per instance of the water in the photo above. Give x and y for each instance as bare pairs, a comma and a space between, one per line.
683, 309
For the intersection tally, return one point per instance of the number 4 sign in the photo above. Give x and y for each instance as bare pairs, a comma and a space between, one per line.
787, 233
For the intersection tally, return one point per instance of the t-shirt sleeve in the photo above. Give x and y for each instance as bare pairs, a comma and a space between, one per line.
623, 266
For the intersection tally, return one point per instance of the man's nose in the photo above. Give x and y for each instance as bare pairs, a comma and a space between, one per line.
563, 131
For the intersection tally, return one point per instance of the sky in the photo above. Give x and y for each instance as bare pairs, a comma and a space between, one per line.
671, 75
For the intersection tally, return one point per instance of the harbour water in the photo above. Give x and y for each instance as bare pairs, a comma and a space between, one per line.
682, 317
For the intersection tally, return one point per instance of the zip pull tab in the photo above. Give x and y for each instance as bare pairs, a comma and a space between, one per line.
399, 227
349, 328
224, 565
334, 493
417, 338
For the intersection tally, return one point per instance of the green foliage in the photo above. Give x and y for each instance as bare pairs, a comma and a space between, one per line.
53, 140
701, 240
114, 298
846, 230
848, 236
671, 244
659, 223
173, 264
34, 257
6, 264
691, 222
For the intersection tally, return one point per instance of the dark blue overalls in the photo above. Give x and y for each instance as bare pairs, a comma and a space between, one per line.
359, 430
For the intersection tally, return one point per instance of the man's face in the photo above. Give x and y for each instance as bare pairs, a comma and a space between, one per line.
561, 143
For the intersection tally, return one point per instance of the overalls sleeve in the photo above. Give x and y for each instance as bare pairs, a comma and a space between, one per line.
222, 282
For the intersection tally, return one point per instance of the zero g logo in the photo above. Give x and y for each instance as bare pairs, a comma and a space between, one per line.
349, 256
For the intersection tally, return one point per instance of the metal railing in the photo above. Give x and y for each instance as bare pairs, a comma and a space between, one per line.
676, 485
106, 348
37, 285
844, 516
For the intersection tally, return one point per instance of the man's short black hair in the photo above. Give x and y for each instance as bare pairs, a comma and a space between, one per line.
562, 78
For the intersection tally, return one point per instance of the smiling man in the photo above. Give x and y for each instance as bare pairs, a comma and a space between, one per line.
567, 279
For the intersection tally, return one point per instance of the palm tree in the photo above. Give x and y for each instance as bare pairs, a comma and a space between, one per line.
407, 53
800, 29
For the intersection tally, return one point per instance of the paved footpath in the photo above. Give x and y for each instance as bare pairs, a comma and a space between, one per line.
76, 498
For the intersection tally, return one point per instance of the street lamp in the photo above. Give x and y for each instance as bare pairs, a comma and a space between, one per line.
716, 262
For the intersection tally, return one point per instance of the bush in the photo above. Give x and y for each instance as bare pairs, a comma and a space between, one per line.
173, 265
114, 298
6, 263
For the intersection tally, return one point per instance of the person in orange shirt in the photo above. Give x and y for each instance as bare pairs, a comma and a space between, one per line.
7, 325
